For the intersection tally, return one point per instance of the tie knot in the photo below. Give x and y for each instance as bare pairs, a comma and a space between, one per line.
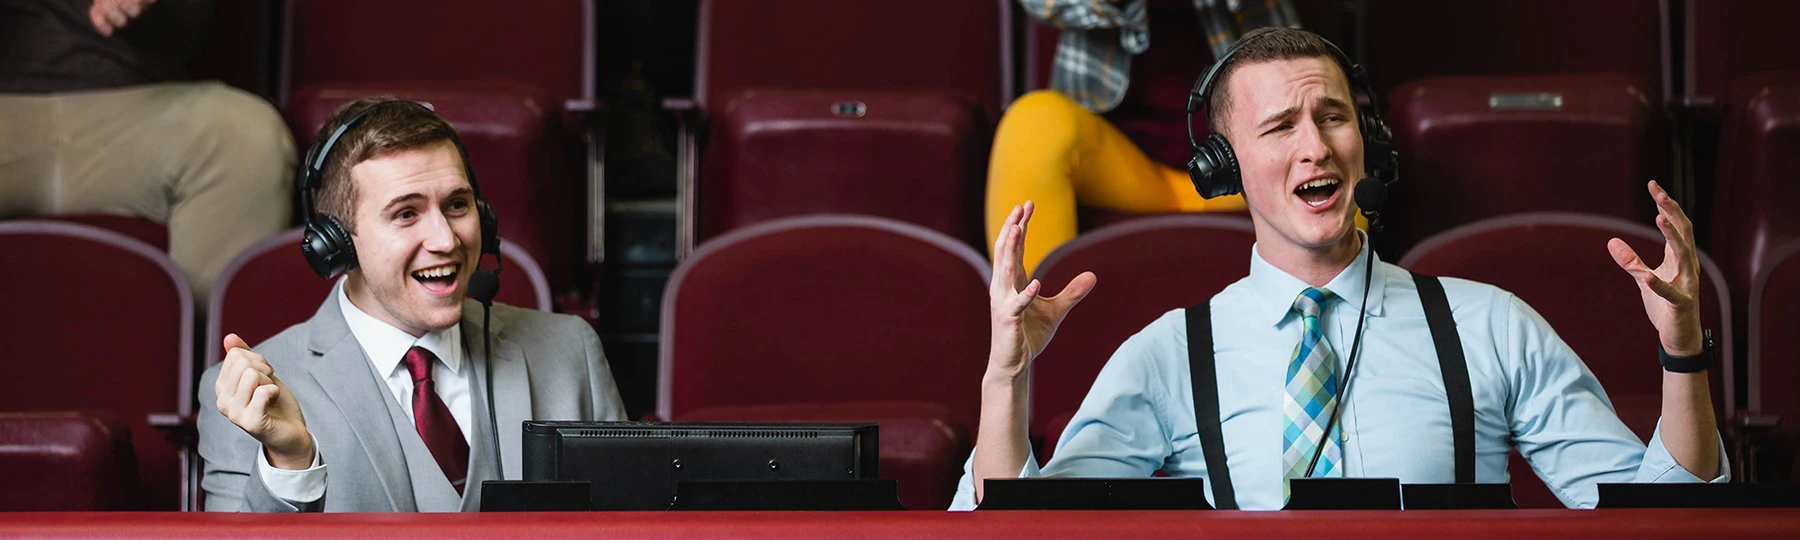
418, 363
1309, 302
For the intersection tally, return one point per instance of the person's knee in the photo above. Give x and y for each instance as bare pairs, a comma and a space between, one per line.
1046, 118
245, 125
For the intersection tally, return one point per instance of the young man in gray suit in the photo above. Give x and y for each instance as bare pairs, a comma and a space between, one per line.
389, 398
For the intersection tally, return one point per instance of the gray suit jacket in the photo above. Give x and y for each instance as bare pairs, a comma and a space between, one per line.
544, 367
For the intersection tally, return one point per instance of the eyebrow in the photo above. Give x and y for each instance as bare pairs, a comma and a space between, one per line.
458, 192
1323, 103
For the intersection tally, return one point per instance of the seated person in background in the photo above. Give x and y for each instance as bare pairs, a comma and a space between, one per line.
1052, 147
1280, 337
395, 396
93, 124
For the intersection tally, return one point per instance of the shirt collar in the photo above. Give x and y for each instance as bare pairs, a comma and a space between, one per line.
386, 345
1275, 289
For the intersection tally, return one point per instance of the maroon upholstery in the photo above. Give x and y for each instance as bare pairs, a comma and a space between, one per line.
955, 47
543, 43
1729, 39
825, 309
1463, 159
1758, 154
1774, 355
923, 445
1624, 523
269, 287
1155, 103
1558, 264
1410, 39
140, 229
919, 157
67, 461
1145, 267
515, 155
98, 321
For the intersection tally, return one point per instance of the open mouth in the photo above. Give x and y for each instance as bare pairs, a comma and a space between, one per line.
439, 279
1319, 191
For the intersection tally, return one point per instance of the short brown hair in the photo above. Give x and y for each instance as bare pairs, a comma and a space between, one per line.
1265, 45
385, 130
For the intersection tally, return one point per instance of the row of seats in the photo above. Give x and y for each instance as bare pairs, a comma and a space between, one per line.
824, 318
109, 326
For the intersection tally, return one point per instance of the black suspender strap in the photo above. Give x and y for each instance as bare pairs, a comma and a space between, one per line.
1456, 373
1206, 404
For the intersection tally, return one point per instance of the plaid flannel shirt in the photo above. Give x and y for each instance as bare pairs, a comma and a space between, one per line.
1099, 37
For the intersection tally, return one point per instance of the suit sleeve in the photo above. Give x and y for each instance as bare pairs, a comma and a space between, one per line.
228, 456
605, 403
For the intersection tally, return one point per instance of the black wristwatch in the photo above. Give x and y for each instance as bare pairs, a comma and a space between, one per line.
1689, 364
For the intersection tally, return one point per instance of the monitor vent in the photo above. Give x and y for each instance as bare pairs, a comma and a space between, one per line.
685, 433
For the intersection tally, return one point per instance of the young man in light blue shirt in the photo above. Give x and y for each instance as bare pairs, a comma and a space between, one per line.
1281, 336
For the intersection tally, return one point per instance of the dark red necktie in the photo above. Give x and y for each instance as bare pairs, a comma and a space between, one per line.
436, 426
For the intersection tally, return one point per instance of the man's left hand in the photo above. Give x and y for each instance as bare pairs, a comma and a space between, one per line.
1671, 291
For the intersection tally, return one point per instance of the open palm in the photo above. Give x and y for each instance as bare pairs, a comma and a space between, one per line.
1023, 322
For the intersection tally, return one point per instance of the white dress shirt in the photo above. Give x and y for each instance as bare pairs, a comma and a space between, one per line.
385, 346
1530, 390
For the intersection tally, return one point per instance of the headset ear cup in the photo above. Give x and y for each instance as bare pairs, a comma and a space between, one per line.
1380, 159
490, 228
328, 247
1214, 168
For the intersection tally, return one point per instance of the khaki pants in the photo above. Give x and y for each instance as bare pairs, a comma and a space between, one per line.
212, 162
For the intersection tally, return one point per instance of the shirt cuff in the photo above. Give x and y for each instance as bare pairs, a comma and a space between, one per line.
298, 487
965, 489
1660, 467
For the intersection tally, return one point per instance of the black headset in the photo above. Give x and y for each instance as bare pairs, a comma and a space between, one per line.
1214, 167
327, 244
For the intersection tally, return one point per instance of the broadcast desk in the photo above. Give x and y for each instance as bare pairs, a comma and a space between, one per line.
1533, 524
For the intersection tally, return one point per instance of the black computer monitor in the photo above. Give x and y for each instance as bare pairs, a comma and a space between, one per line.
636, 465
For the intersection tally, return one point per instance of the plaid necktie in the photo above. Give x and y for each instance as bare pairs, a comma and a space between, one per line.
432, 418
1312, 386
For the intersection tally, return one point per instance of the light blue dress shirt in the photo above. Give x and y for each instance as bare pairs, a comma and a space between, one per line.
1529, 389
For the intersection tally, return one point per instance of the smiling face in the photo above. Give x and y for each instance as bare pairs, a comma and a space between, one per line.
417, 237
1292, 124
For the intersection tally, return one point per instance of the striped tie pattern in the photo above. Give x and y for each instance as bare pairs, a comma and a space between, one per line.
1312, 386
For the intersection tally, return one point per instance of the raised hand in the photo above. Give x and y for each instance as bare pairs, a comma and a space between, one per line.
1671, 291
251, 396
1022, 322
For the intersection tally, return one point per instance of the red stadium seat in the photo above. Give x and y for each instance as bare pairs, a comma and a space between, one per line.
1759, 152
62, 461
140, 229
1594, 306
1474, 148
1145, 267
915, 157
923, 445
514, 81
955, 47
99, 321
269, 287
67, 461
878, 106
1731, 39
1773, 371
1407, 40
826, 309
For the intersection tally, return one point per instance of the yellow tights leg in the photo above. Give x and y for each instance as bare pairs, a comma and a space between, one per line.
1050, 150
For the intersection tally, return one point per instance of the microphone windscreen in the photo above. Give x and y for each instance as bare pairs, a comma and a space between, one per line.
483, 285
1371, 194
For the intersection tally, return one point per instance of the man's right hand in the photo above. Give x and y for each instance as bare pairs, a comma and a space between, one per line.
1023, 322
251, 396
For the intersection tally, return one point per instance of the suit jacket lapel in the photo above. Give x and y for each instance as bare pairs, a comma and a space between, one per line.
342, 371
511, 384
